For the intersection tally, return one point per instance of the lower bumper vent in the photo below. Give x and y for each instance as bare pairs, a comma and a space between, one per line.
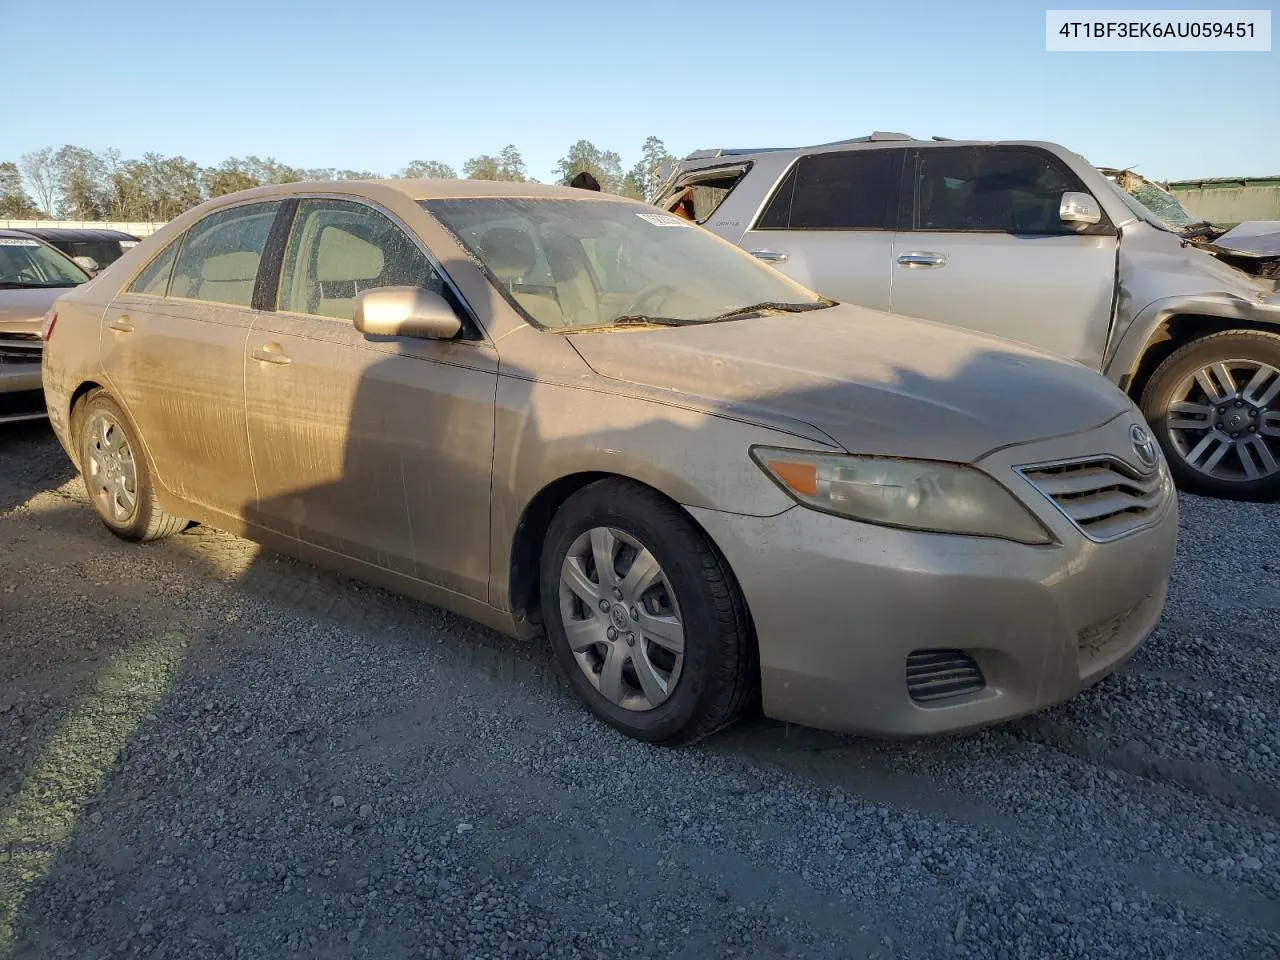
934, 675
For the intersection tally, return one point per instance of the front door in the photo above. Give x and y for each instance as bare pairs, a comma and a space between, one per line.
173, 350
829, 224
378, 449
987, 251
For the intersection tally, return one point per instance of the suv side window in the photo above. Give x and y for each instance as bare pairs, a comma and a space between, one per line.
855, 190
338, 248
992, 189
154, 279
219, 260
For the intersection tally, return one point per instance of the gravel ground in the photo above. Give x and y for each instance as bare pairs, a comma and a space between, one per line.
209, 751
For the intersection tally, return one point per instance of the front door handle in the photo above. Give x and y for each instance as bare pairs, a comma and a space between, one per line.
121, 323
922, 259
772, 256
270, 353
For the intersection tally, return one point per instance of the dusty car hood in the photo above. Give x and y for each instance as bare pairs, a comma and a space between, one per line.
22, 311
873, 382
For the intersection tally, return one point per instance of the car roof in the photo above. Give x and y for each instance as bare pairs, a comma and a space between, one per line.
11, 234
877, 140
423, 189
76, 233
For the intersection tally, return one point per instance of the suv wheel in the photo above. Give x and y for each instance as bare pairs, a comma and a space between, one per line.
646, 620
1215, 407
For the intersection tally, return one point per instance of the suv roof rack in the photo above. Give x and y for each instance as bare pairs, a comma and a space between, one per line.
874, 137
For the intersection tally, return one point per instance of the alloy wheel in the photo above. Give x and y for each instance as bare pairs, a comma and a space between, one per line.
621, 618
1225, 420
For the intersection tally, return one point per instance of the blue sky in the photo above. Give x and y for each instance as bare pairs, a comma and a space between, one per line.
374, 84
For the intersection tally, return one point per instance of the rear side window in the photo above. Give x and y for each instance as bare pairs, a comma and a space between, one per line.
219, 260
154, 280
992, 189
697, 196
857, 190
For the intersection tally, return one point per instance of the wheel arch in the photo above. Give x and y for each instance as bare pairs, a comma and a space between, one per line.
1175, 330
531, 531
74, 402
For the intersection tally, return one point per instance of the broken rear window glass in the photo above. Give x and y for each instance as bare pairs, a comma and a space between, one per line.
698, 195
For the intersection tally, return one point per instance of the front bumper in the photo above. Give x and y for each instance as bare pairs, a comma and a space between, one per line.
839, 606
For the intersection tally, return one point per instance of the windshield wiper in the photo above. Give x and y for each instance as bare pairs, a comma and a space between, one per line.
21, 285
632, 320
740, 312
642, 320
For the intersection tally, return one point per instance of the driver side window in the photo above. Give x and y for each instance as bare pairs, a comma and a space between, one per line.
338, 248
990, 189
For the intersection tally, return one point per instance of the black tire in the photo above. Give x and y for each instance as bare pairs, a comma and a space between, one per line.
719, 678
147, 520
1164, 386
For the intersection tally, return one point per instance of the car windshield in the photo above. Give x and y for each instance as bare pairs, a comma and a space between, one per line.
575, 265
1153, 204
29, 263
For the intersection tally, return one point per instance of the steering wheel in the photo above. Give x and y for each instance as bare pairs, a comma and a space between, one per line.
658, 292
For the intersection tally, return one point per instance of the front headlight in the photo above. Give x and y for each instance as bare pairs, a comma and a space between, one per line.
917, 494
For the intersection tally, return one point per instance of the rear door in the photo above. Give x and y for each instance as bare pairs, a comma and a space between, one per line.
829, 224
984, 249
173, 349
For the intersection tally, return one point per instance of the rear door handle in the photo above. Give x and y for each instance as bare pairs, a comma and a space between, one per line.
922, 259
772, 256
121, 323
270, 353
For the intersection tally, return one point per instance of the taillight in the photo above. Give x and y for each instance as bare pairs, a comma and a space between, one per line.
50, 319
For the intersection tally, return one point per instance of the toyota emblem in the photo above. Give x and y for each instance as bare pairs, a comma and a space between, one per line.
1144, 448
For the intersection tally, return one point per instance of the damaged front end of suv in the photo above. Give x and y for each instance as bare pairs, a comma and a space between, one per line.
1252, 247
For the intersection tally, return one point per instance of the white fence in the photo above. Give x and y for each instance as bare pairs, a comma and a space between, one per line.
137, 229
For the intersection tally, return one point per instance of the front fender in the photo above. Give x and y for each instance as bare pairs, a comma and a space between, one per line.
1149, 323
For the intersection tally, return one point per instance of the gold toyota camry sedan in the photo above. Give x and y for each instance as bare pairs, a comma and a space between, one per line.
567, 414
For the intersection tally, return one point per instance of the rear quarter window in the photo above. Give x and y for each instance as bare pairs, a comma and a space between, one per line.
697, 196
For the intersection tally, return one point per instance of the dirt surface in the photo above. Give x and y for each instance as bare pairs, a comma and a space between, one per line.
207, 750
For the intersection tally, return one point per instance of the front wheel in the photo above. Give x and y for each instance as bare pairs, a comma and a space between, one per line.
646, 620
1214, 405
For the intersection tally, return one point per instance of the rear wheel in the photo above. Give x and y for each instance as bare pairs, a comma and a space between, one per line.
646, 620
115, 473
1215, 407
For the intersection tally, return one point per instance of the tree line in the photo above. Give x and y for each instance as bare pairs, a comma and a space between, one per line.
75, 183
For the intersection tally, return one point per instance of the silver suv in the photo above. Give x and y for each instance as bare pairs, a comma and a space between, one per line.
1028, 241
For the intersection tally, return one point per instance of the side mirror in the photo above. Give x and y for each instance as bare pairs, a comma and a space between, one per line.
1079, 208
89, 264
405, 312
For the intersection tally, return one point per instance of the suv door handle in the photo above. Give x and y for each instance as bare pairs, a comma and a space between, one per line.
121, 323
772, 256
270, 353
922, 259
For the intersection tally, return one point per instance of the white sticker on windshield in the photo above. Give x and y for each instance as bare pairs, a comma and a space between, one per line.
664, 220
15, 242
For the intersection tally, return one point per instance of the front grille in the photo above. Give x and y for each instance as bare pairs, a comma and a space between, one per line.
20, 347
1104, 497
934, 675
